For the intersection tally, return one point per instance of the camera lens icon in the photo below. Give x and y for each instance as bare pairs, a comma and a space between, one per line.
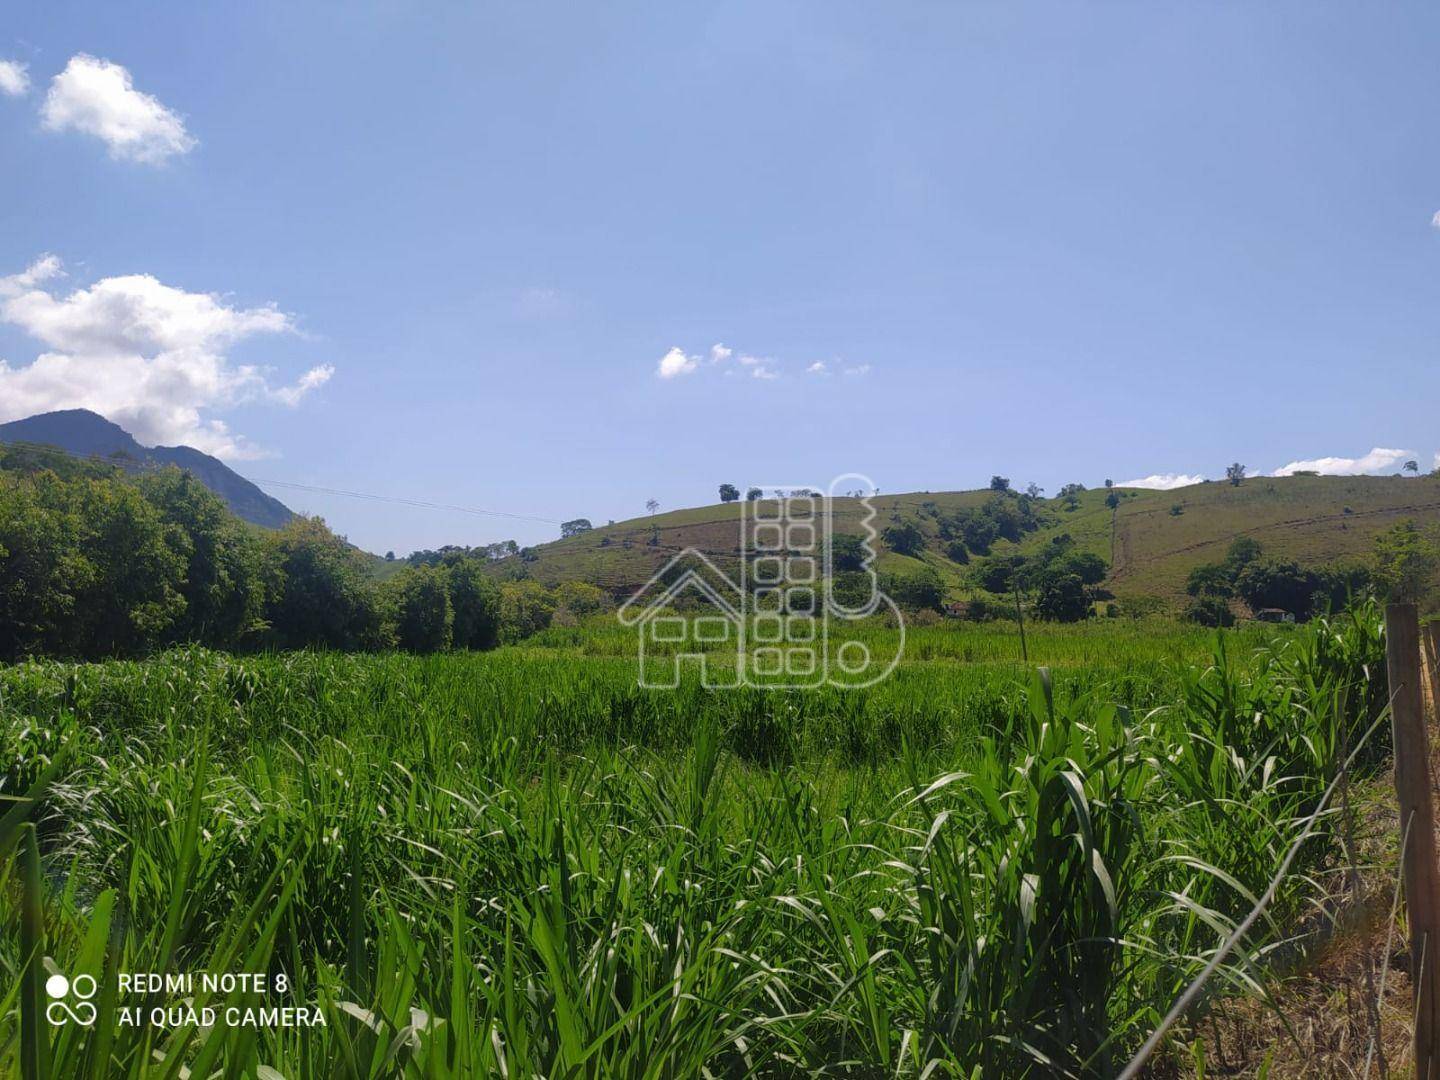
62, 990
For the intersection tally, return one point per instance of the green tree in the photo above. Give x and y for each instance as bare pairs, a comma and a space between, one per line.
979, 533
474, 606
1277, 583
424, 619
1406, 559
999, 483
135, 595
729, 493
42, 567
846, 552
904, 538
1340, 584
574, 528
226, 576
1235, 473
1243, 551
1061, 597
325, 598
1087, 566
751, 494
1211, 580
1000, 574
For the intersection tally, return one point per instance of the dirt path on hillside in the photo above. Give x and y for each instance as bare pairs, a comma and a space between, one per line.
1131, 563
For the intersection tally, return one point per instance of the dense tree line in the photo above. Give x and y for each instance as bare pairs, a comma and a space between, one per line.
1402, 566
503, 549
96, 563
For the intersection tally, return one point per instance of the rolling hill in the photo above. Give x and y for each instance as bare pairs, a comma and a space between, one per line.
1151, 541
87, 434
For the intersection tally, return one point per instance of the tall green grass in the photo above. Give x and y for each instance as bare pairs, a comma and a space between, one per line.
519, 864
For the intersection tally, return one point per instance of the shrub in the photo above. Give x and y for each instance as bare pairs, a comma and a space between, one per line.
525, 608
580, 598
1210, 610
918, 588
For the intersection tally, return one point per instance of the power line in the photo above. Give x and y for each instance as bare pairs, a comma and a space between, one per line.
424, 504
371, 496
398, 500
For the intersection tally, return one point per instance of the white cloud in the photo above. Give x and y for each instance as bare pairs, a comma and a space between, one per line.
675, 363
313, 379
1435, 220
146, 355
14, 78
42, 269
729, 362
97, 97
1379, 459
760, 367
1163, 481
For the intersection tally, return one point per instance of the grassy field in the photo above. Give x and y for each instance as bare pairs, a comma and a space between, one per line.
519, 864
1150, 549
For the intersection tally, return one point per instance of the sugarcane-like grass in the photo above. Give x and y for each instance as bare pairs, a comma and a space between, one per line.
520, 864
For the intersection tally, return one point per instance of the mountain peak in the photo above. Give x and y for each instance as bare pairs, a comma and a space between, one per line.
88, 434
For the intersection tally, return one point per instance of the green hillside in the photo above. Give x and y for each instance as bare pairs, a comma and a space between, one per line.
1151, 541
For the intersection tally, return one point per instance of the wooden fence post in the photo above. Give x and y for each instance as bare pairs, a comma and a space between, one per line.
1417, 829
1430, 663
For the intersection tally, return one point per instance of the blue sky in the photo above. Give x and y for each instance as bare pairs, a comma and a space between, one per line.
440, 252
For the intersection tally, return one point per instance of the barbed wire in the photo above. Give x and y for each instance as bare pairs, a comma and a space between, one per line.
1182, 1004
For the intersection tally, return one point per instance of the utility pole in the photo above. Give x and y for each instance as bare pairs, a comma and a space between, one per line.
1020, 618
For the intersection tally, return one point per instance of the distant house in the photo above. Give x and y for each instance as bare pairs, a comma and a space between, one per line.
957, 609
667, 638
1275, 615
